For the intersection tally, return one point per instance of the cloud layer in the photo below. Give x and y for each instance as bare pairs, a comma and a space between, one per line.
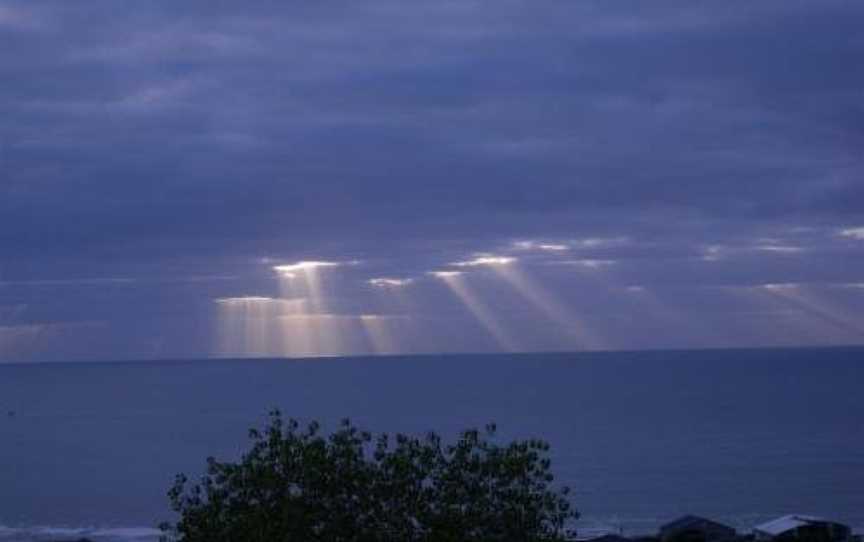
161, 156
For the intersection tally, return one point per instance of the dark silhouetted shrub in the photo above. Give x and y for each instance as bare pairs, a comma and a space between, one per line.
296, 484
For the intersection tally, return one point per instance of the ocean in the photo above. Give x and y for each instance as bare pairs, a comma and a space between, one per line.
740, 436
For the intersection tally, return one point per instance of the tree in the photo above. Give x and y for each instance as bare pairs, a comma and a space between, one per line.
295, 484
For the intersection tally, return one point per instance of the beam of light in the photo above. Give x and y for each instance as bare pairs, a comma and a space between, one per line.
802, 298
385, 282
275, 305
277, 327
298, 337
455, 281
244, 325
247, 324
547, 304
317, 334
485, 260
313, 330
296, 324
392, 298
303, 279
379, 331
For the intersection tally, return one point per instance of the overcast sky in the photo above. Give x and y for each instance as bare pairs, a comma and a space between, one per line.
592, 175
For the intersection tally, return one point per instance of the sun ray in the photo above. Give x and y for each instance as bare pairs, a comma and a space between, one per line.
379, 331
244, 326
800, 297
303, 279
455, 281
552, 308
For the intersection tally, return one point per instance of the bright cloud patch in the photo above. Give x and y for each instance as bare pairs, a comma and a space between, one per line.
384, 282
485, 260
445, 274
545, 247
291, 270
854, 233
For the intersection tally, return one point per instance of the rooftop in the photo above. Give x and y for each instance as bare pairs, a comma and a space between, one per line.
787, 523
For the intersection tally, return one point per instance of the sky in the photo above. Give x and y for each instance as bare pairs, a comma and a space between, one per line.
280, 178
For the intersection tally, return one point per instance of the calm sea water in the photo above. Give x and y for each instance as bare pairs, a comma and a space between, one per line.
739, 436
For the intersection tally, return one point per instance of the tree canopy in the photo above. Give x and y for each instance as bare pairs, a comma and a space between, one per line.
296, 484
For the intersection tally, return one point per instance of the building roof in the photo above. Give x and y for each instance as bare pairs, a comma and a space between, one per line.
787, 523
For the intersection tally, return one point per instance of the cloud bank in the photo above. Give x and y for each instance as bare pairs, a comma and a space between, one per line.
647, 166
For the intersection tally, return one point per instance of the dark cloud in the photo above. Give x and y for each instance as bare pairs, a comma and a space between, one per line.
163, 140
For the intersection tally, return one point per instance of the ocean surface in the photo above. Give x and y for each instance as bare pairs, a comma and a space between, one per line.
741, 436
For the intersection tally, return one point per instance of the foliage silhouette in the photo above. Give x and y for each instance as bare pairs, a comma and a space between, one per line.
296, 484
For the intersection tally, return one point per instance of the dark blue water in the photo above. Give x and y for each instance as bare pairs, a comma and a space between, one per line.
739, 436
